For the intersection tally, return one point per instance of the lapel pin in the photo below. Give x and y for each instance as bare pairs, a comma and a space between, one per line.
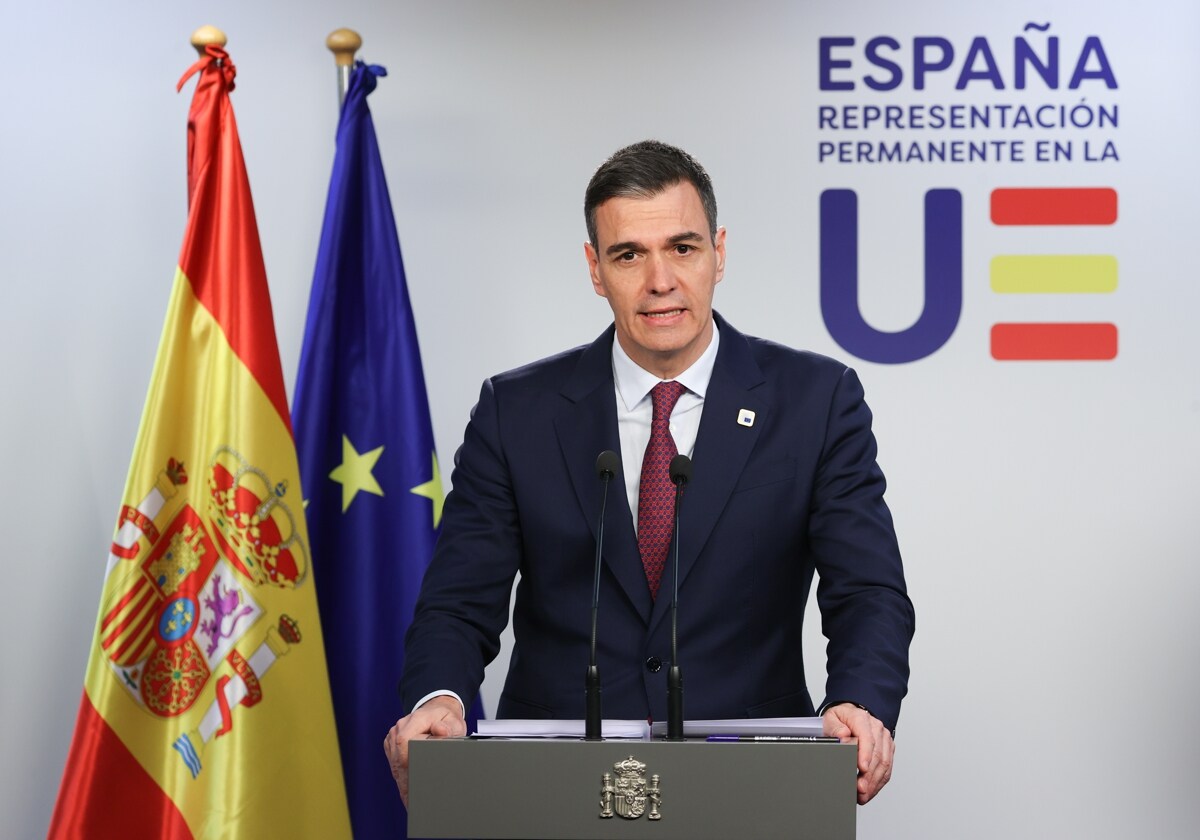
745, 417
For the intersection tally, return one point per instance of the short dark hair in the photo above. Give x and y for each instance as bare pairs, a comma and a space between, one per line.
644, 170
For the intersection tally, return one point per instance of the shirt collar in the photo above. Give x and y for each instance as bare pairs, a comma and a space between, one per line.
634, 382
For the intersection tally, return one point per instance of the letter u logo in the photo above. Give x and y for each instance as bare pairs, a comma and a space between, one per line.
943, 280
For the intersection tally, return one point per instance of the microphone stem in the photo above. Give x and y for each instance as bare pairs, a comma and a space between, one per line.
675, 675
593, 715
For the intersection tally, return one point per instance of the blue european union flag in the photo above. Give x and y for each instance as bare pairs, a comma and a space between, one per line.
367, 459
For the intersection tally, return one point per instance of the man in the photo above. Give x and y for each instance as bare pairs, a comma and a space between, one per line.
785, 483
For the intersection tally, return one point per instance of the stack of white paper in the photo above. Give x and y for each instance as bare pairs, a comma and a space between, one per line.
803, 726
637, 730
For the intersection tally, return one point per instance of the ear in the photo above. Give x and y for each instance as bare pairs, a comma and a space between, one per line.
593, 261
719, 247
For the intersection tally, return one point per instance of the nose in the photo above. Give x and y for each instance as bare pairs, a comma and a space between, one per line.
660, 275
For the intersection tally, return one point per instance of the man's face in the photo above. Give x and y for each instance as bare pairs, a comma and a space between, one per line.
657, 266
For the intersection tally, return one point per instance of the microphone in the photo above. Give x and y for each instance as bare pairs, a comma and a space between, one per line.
681, 474
607, 466
681, 470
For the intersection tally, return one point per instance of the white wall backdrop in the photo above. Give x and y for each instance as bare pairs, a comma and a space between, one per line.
1048, 511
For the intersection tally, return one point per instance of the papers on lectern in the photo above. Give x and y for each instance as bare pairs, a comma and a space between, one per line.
634, 730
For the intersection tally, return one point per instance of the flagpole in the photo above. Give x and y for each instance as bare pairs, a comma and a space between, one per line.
206, 35
343, 43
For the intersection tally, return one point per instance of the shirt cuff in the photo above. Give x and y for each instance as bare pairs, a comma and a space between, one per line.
442, 693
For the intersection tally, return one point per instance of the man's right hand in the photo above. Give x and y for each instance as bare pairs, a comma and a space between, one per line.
440, 716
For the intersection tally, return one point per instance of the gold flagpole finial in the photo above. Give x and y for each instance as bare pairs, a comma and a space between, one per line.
206, 35
343, 43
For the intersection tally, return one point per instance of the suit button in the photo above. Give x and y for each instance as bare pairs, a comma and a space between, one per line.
653, 664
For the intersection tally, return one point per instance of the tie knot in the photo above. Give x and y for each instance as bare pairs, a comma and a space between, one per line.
665, 395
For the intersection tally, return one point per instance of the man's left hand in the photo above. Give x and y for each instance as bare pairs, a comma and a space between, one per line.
875, 746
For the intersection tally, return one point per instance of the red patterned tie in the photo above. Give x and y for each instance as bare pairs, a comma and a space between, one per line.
656, 495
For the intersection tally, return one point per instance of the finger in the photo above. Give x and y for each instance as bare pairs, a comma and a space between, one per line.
833, 726
448, 723
880, 773
402, 786
450, 727
406, 729
869, 786
391, 744
401, 774
396, 748
867, 747
836, 728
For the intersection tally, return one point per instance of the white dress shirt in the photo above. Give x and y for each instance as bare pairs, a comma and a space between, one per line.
635, 410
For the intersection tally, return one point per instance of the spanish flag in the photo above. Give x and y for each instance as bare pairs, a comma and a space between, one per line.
206, 709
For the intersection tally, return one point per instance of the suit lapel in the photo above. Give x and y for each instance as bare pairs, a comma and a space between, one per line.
585, 428
722, 448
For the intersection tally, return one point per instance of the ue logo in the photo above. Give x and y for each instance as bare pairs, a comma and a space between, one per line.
1010, 274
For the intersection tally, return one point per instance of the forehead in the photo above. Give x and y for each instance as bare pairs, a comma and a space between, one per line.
675, 210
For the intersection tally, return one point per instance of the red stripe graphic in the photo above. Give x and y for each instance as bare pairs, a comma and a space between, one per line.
137, 646
136, 591
1054, 206
134, 628
1054, 342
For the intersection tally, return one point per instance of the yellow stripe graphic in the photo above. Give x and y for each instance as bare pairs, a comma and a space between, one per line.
1054, 274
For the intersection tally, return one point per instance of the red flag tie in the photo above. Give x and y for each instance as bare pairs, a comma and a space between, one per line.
656, 495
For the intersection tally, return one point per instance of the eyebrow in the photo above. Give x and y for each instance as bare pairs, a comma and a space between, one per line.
621, 247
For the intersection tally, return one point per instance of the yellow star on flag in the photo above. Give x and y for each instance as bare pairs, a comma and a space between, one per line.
354, 473
432, 490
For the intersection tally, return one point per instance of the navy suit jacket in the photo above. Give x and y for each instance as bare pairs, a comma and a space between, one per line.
768, 504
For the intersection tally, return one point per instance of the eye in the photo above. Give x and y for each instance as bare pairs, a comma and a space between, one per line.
627, 256
683, 249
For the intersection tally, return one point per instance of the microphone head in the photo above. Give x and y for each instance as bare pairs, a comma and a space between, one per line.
681, 469
607, 465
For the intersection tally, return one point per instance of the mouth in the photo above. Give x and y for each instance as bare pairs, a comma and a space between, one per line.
662, 314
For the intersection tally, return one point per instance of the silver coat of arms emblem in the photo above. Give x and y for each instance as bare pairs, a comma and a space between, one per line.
626, 792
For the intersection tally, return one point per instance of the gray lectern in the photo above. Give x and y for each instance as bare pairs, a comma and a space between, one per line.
461, 787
